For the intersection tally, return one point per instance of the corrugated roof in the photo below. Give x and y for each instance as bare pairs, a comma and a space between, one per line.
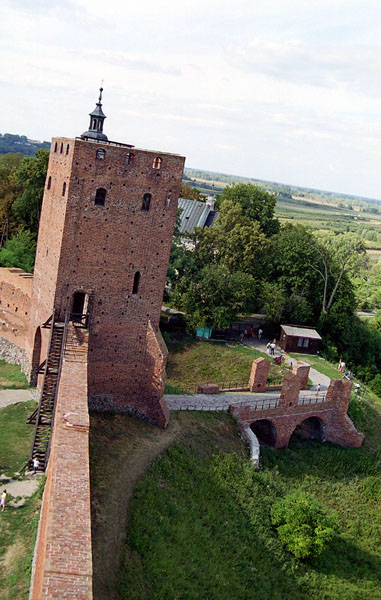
305, 332
194, 214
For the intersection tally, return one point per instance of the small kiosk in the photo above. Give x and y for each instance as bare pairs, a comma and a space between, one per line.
299, 339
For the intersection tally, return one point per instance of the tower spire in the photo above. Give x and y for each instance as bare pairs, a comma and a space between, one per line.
97, 118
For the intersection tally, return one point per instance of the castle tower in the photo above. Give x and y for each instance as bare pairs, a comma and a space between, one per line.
105, 235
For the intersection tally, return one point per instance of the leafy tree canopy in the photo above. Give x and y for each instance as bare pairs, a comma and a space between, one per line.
19, 251
187, 191
215, 297
9, 184
31, 175
256, 204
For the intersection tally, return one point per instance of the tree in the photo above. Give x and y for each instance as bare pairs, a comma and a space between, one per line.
19, 251
187, 191
9, 185
31, 176
235, 241
257, 204
214, 297
336, 257
304, 525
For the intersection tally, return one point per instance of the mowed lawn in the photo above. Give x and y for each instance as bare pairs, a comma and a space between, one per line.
11, 377
18, 526
192, 362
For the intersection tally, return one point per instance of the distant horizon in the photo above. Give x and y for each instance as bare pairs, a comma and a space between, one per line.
292, 185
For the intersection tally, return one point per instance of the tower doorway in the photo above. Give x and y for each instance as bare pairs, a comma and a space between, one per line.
79, 308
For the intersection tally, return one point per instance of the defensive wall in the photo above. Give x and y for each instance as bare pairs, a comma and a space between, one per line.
62, 564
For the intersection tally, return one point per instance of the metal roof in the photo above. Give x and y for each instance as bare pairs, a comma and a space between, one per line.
194, 214
304, 332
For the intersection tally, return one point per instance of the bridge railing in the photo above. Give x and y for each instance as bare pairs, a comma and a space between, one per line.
313, 399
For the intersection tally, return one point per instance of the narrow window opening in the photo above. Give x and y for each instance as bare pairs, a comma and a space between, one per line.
146, 201
100, 197
67, 149
101, 154
156, 163
135, 287
61, 149
64, 188
129, 158
169, 198
49, 182
55, 147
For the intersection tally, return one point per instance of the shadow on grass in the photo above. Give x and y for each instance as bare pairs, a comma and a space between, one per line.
357, 563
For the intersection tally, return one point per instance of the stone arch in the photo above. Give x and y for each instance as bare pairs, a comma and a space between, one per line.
311, 428
265, 431
36, 356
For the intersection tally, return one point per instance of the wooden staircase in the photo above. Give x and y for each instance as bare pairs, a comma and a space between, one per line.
44, 415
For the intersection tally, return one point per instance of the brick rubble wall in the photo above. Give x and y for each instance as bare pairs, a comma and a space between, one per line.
63, 559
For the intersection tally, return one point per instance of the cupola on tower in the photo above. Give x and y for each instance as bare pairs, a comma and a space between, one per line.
105, 235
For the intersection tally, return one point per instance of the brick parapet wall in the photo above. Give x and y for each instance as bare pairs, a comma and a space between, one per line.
302, 370
63, 559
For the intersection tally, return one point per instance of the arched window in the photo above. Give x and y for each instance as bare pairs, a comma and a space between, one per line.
146, 201
129, 158
61, 149
64, 188
49, 182
101, 154
135, 287
55, 147
67, 149
156, 163
100, 197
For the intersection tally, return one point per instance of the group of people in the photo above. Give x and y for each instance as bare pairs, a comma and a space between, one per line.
248, 333
3, 498
271, 347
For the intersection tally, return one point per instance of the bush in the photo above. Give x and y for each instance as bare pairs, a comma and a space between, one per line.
303, 524
375, 384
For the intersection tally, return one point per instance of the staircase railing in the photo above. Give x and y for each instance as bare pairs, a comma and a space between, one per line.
63, 345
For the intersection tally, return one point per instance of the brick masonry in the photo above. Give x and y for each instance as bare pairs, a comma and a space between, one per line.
332, 413
62, 566
258, 376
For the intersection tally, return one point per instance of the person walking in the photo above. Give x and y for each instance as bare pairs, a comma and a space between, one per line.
317, 389
259, 334
3, 500
36, 464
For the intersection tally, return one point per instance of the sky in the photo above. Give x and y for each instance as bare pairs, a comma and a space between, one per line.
281, 90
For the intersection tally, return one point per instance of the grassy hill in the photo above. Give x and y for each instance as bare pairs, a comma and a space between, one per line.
195, 515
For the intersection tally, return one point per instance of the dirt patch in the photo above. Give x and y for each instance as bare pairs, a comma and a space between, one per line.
121, 449
12, 554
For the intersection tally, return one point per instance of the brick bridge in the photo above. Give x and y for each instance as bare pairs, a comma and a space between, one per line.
322, 417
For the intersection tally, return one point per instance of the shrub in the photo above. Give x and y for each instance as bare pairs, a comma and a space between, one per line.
303, 524
375, 384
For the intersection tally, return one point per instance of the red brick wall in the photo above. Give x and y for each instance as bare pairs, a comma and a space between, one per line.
258, 376
15, 292
63, 560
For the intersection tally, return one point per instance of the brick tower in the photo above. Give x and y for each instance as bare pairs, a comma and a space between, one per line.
105, 235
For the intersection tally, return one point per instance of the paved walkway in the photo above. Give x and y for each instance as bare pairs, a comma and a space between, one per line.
8, 397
